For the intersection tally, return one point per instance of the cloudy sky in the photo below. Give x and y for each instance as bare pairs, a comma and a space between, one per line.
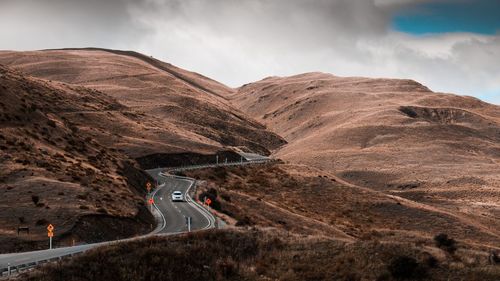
449, 45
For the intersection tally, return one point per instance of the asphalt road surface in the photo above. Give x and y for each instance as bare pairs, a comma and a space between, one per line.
171, 217
175, 213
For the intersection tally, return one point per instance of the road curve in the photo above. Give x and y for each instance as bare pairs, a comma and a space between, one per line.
173, 214
170, 216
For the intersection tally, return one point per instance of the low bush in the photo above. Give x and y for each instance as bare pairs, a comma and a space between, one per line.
404, 267
41, 222
444, 242
35, 199
245, 221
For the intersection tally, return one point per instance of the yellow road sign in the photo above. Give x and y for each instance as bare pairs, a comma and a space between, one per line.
50, 234
50, 228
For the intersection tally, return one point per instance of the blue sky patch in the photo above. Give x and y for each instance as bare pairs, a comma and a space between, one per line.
476, 16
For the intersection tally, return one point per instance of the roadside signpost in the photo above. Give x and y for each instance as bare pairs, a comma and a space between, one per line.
50, 234
188, 223
148, 186
208, 201
151, 201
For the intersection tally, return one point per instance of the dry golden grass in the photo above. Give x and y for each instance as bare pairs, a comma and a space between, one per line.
170, 110
260, 255
307, 201
430, 151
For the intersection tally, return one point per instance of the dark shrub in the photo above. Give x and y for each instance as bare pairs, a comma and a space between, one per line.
494, 258
244, 222
408, 111
51, 123
35, 199
82, 196
404, 267
431, 262
226, 197
212, 194
444, 242
41, 222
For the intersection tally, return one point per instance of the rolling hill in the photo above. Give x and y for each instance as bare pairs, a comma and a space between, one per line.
395, 137
182, 111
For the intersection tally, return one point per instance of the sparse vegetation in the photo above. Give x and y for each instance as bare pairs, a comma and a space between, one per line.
51, 123
252, 255
35, 199
444, 242
41, 222
404, 267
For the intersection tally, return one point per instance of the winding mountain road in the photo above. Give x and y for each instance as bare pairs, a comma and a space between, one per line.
170, 220
170, 216
173, 214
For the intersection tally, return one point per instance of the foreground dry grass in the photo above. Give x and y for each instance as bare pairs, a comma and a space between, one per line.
257, 255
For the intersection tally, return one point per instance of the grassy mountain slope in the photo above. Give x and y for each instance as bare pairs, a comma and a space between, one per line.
184, 110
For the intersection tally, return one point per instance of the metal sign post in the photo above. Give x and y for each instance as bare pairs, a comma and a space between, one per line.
188, 223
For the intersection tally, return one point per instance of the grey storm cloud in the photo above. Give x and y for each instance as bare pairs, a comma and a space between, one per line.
237, 42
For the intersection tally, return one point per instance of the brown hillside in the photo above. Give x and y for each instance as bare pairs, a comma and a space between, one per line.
308, 201
393, 136
184, 110
53, 170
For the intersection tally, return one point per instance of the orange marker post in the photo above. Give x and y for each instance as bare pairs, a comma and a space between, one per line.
50, 234
151, 201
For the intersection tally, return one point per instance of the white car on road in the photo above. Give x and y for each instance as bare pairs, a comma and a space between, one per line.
177, 196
